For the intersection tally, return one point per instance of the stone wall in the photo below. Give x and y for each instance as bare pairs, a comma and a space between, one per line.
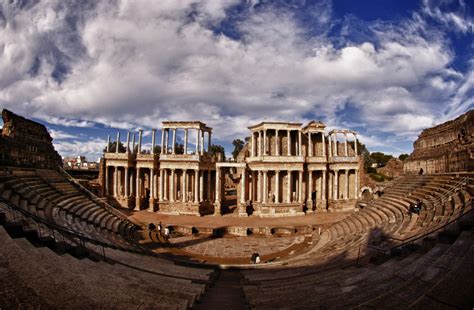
392, 169
448, 147
26, 143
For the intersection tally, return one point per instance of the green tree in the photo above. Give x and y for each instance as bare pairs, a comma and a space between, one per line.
380, 158
179, 148
365, 154
216, 149
402, 157
112, 146
157, 149
238, 146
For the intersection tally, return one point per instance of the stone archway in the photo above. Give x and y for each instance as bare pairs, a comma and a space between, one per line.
365, 193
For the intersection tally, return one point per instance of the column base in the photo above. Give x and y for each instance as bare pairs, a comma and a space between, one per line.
137, 204
217, 209
151, 206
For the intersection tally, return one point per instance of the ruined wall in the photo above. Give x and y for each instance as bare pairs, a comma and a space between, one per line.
393, 168
448, 147
25, 143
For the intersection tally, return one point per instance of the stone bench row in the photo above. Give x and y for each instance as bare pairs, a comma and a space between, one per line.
65, 280
371, 284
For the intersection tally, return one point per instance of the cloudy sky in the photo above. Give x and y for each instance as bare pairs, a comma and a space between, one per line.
386, 68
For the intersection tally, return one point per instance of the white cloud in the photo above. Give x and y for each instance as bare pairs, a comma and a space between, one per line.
92, 148
60, 135
459, 19
133, 64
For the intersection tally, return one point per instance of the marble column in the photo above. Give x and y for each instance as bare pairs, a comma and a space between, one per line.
288, 133
131, 179
242, 186
126, 183
128, 142
335, 144
309, 196
186, 141
197, 141
152, 191
277, 186
259, 187
330, 185
108, 144
265, 144
165, 185
310, 144
133, 143
137, 191
184, 188
162, 177
253, 145
336, 184
172, 185
167, 140
201, 186
346, 192
346, 148
115, 181
323, 144
173, 147
289, 194
323, 186
202, 142
196, 186
153, 134
330, 145
300, 186
163, 141
140, 134
265, 187
300, 144
277, 143
259, 143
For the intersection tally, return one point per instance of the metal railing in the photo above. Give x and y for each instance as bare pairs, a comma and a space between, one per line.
459, 185
65, 233
96, 199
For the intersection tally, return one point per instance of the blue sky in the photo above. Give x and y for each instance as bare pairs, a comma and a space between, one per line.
386, 69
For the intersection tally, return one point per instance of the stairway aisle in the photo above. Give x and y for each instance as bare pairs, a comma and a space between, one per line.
226, 293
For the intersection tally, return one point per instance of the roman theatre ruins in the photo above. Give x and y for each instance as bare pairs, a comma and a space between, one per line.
169, 225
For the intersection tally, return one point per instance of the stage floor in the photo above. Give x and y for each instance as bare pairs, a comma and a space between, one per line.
209, 221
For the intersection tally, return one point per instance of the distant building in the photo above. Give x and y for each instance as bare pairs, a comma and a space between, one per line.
79, 163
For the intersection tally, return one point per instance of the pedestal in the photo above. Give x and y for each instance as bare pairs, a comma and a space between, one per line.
217, 209
151, 206
137, 204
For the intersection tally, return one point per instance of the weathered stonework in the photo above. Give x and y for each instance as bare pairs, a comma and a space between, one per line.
284, 170
25, 143
448, 147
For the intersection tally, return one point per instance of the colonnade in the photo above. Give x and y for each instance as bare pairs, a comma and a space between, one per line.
122, 184
261, 145
166, 185
165, 137
333, 143
185, 185
335, 192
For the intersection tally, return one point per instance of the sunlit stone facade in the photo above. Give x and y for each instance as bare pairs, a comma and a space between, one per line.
285, 169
